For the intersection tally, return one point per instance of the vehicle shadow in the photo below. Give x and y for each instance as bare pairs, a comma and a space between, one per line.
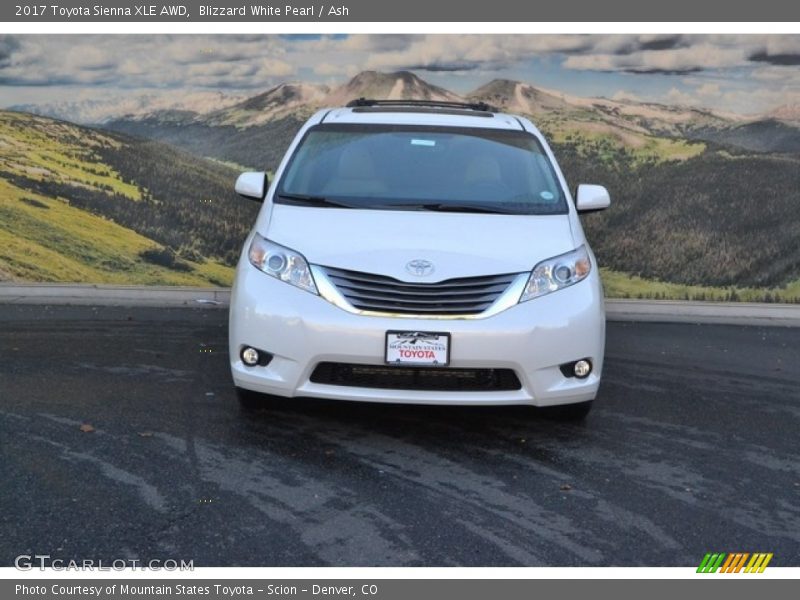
428, 426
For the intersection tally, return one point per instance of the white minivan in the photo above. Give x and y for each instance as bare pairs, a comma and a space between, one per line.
418, 252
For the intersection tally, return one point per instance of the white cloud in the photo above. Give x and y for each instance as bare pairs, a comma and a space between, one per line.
147, 61
625, 96
466, 52
676, 96
787, 76
678, 60
759, 100
708, 90
741, 100
165, 59
737, 72
327, 69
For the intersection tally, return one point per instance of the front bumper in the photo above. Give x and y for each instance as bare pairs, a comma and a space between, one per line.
302, 330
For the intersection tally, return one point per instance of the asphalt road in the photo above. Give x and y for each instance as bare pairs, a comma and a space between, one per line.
692, 447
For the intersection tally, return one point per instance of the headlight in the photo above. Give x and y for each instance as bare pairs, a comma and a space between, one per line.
282, 263
557, 273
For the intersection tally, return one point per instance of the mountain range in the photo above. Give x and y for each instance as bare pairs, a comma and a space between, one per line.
254, 131
508, 95
93, 111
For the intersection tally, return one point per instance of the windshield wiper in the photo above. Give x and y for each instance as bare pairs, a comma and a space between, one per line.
309, 200
451, 207
316, 200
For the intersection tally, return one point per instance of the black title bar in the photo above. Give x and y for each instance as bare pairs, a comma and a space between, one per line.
350, 11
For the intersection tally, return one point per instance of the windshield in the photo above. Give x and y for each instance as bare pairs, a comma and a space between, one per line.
422, 168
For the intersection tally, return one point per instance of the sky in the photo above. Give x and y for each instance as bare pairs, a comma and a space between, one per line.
745, 74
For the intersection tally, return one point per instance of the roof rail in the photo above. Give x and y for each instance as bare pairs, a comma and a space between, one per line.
369, 102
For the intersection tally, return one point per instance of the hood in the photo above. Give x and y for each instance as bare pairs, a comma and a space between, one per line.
384, 242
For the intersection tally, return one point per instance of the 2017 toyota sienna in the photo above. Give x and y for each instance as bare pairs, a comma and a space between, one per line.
418, 252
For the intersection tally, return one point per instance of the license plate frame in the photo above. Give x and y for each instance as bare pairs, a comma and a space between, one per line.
437, 343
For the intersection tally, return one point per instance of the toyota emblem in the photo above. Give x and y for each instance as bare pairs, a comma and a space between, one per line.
419, 267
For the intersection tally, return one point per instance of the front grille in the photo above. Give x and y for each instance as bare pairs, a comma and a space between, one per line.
416, 378
379, 293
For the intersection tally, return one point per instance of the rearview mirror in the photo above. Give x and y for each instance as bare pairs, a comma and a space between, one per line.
253, 185
591, 198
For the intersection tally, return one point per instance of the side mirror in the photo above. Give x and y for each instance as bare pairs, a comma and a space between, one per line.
591, 198
252, 185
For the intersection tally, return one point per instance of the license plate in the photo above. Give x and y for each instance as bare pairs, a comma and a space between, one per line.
417, 348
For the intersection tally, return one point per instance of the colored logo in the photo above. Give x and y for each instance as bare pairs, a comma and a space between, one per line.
735, 562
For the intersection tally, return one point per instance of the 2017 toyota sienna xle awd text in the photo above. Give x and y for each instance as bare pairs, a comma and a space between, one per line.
418, 252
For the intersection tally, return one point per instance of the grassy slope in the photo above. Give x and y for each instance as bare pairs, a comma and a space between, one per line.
45, 239
604, 140
43, 148
623, 285
60, 243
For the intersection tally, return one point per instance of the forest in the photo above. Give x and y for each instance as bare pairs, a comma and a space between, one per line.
256, 147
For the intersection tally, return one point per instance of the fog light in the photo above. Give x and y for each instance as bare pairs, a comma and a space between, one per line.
250, 357
582, 368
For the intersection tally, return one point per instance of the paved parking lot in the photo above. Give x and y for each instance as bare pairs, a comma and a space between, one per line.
692, 447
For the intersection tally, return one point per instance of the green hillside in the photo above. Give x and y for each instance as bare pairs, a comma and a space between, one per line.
81, 205
257, 147
604, 143
626, 285
717, 219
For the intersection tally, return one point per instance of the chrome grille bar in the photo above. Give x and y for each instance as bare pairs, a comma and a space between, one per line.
382, 294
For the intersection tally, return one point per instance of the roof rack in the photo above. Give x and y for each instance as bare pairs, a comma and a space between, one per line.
369, 102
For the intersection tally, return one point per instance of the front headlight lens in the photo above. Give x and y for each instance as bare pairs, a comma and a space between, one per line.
282, 263
557, 273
